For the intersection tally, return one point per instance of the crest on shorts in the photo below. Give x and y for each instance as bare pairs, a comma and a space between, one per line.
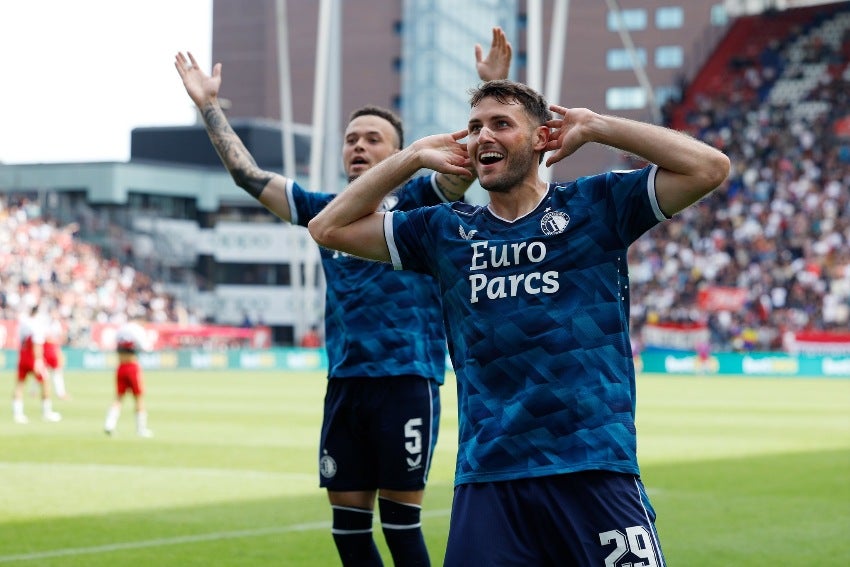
327, 466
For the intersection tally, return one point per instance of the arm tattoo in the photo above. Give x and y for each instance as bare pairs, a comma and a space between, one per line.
453, 186
233, 153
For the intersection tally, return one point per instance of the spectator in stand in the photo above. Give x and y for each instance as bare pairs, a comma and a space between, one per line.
131, 338
31, 332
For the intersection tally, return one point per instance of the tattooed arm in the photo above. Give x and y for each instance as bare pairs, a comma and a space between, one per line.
267, 187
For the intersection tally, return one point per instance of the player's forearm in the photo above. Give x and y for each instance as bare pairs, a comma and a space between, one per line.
233, 153
671, 150
364, 195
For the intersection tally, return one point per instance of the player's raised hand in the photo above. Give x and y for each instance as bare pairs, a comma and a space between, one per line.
497, 64
444, 153
566, 135
202, 89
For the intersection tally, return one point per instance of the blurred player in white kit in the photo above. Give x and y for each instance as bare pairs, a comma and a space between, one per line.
31, 332
131, 338
54, 359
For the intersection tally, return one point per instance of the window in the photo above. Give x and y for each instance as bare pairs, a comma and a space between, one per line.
618, 59
671, 17
632, 20
625, 98
719, 17
669, 57
663, 94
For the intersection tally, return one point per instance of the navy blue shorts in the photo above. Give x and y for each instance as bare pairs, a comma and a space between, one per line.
592, 518
378, 433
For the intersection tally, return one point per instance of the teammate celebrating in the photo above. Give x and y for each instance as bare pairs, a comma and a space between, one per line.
383, 331
31, 333
131, 338
536, 301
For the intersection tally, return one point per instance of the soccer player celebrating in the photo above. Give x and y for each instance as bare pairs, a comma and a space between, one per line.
383, 330
131, 338
31, 333
535, 294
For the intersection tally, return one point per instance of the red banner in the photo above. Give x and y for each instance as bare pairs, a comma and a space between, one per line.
818, 342
718, 298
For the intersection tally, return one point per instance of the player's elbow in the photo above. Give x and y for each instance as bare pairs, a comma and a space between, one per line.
323, 233
717, 170
713, 171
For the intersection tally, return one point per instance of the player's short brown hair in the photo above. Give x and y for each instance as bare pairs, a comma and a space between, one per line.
507, 92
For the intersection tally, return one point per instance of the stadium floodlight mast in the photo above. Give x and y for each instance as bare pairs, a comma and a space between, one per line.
551, 88
304, 260
285, 91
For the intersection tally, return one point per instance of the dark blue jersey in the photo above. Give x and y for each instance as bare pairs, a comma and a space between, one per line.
537, 314
378, 321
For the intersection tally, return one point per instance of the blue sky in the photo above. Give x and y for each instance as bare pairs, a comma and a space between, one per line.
79, 75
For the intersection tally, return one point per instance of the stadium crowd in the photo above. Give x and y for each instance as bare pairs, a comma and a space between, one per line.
779, 227
45, 264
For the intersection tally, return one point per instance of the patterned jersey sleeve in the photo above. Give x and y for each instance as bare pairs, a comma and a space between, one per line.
631, 198
409, 239
418, 192
303, 204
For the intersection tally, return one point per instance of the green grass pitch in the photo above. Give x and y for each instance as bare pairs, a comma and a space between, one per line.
742, 472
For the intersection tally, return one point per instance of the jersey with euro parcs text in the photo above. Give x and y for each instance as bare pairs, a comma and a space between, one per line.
537, 317
378, 321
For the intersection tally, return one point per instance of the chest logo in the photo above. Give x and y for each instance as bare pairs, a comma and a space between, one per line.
554, 222
464, 234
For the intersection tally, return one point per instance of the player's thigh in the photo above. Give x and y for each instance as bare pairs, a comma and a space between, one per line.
346, 450
406, 433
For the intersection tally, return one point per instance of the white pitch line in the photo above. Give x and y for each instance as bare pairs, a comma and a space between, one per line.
188, 471
70, 551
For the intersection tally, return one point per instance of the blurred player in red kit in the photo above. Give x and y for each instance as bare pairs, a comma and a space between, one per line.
31, 332
130, 338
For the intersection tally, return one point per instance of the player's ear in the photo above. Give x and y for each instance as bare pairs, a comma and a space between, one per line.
541, 137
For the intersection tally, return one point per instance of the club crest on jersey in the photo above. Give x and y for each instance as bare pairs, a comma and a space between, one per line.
554, 222
389, 203
464, 234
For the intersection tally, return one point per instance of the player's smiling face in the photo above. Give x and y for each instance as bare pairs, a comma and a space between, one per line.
499, 144
368, 141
